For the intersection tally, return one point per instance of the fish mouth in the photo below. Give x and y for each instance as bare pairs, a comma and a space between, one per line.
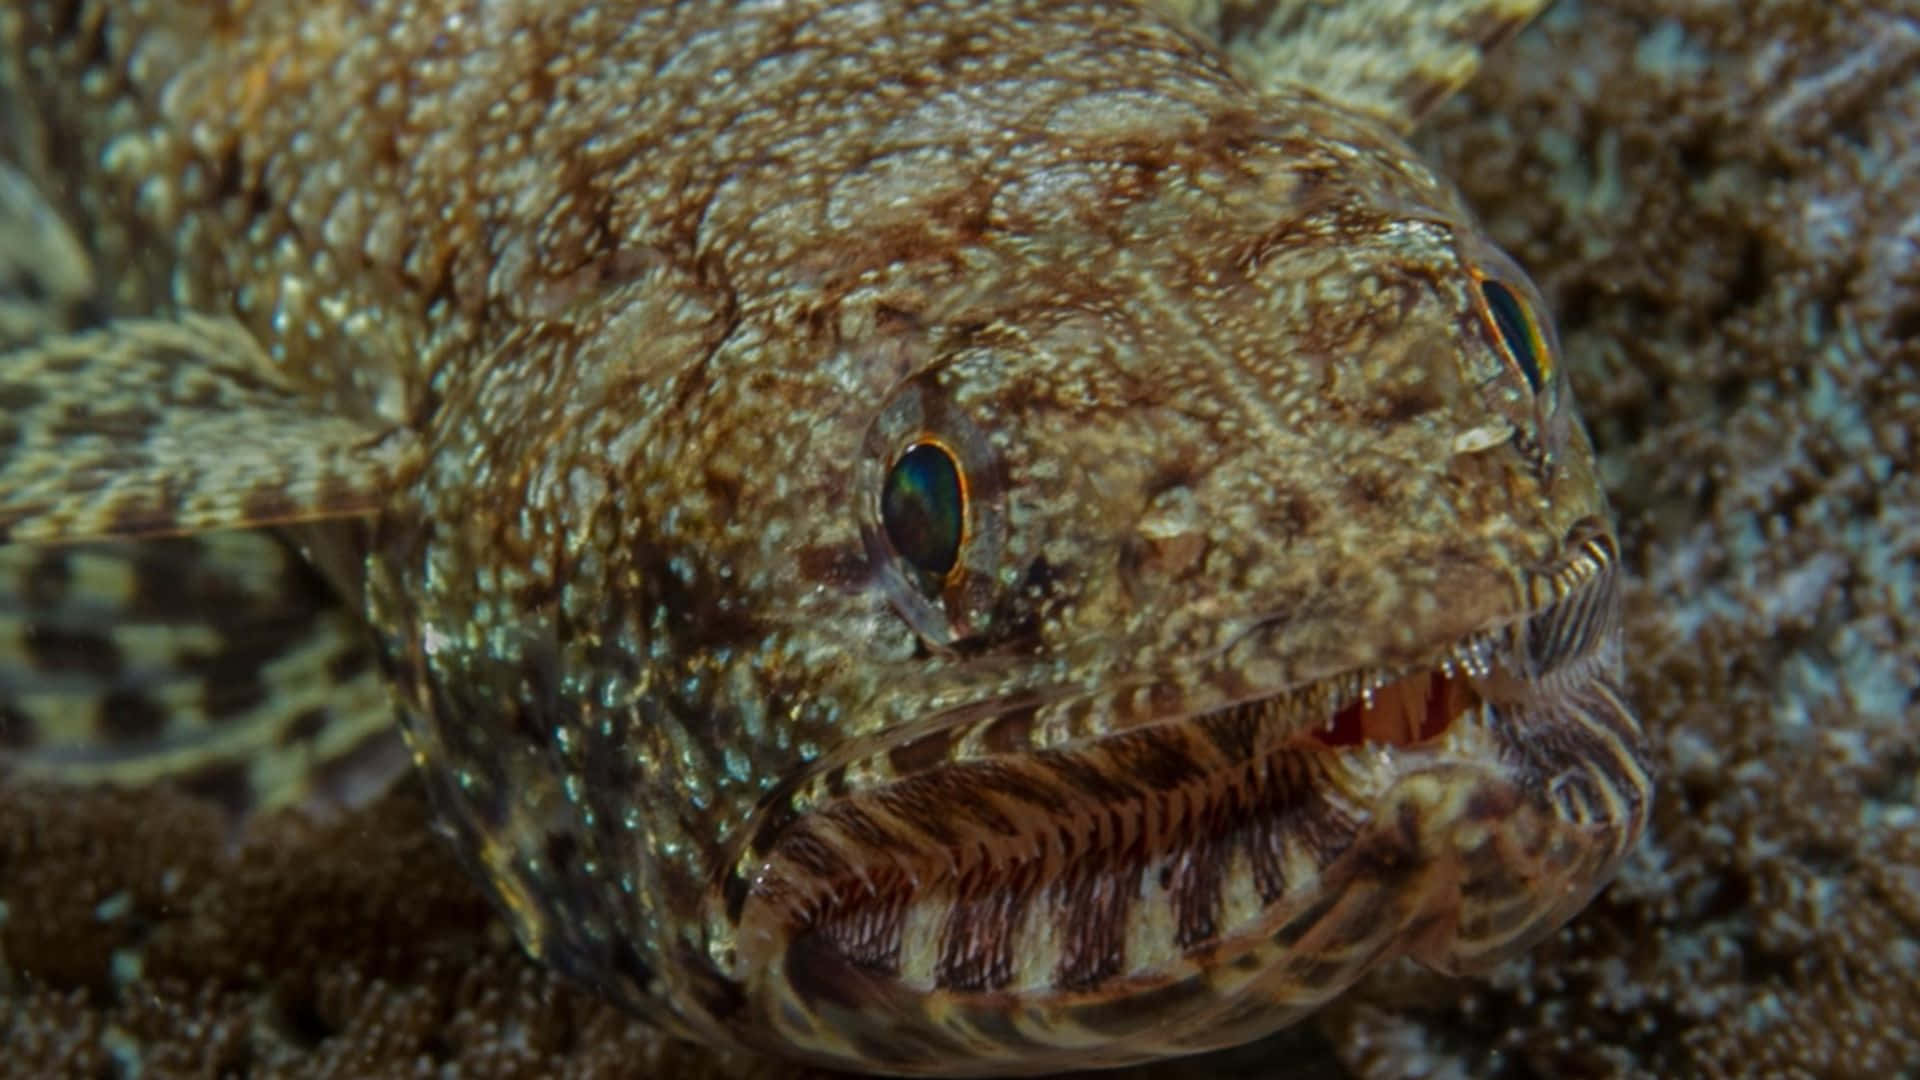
1190, 883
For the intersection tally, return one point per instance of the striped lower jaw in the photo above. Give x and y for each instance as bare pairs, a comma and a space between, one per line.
1179, 888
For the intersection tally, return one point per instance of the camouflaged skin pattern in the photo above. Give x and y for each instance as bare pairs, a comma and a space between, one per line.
662, 292
140, 661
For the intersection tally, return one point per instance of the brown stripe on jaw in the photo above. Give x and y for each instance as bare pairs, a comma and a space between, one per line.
1087, 779
1296, 811
1157, 758
871, 935
1090, 905
1193, 879
977, 942
849, 875
866, 832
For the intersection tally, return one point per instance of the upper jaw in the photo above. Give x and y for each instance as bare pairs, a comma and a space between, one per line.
1565, 632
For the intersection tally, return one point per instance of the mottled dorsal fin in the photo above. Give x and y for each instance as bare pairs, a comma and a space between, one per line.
150, 427
1395, 59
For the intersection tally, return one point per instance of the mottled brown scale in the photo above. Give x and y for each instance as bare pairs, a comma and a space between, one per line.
575, 342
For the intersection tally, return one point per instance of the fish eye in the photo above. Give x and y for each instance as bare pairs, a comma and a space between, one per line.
1519, 332
923, 508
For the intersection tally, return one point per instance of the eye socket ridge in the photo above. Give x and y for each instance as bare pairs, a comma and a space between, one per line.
924, 509
1518, 331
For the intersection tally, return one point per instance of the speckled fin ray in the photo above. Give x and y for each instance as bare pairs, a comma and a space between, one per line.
46, 279
150, 427
220, 663
1396, 59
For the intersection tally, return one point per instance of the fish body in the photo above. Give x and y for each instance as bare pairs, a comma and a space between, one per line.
924, 537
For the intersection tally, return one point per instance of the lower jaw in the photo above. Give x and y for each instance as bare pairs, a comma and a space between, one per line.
1437, 850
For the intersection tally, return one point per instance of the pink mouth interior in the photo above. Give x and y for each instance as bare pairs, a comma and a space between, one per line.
1402, 713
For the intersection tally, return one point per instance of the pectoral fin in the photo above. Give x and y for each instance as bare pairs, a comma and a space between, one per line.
220, 663
150, 427
1393, 59
46, 279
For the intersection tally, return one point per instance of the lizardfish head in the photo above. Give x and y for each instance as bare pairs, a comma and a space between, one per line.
1103, 638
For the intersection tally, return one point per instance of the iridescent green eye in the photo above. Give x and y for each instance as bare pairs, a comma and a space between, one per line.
923, 507
1520, 333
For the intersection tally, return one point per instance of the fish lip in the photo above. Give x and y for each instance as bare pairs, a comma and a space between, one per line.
1566, 635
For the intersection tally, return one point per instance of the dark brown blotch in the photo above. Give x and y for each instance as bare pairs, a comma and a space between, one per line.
54, 649
19, 397
835, 781
735, 890
17, 730
562, 851
83, 420
349, 664
822, 976
135, 516
306, 725
1157, 758
928, 751
701, 611
70, 362
1396, 404
1232, 732
234, 686
225, 784
1290, 513
841, 568
1011, 732
1020, 785
47, 580
1367, 488
268, 504
1087, 778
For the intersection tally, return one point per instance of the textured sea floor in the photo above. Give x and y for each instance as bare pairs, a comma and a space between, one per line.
1722, 200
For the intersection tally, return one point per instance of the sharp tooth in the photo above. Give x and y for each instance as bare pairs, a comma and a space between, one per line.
1474, 657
